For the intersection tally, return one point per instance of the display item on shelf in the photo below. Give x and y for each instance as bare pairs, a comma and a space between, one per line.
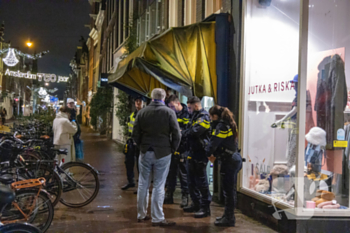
262, 186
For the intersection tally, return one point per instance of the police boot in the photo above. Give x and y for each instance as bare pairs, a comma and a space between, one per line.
128, 185
219, 218
202, 213
184, 201
168, 198
191, 209
228, 220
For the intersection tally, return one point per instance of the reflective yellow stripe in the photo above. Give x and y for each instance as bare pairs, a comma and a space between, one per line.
189, 157
183, 120
131, 123
223, 134
203, 123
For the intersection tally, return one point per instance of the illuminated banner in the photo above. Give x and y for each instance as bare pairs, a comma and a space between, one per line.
39, 76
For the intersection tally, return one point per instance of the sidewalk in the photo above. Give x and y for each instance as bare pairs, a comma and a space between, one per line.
114, 210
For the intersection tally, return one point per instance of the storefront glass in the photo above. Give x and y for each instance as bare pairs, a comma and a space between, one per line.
275, 149
269, 124
328, 113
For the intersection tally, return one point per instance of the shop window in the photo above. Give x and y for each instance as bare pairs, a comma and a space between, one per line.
328, 105
270, 133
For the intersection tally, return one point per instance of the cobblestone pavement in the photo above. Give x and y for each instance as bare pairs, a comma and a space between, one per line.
114, 210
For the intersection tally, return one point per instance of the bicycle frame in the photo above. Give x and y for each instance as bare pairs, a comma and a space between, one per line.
22, 185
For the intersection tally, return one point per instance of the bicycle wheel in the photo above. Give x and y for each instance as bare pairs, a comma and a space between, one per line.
53, 183
38, 209
19, 228
80, 184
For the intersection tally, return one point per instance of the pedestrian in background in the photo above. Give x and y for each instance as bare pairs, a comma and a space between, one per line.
3, 117
157, 134
223, 145
76, 137
63, 131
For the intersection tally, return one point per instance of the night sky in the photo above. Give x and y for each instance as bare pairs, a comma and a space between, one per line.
54, 25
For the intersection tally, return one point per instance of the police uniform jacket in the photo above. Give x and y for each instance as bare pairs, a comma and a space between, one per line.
197, 134
183, 117
131, 122
222, 140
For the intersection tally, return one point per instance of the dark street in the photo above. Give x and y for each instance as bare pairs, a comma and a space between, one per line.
114, 210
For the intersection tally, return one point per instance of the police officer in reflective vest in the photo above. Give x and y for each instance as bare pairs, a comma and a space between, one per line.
178, 159
223, 145
131, 151
198, 135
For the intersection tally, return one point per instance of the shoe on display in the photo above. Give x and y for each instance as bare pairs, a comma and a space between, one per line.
184, 201
191, 209
225, 222
202, 213
128, 185
164, 223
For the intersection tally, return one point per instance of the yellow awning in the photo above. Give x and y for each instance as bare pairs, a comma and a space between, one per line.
182, 58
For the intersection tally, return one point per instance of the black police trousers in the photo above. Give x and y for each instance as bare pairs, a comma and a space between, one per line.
130, 159
177, 167
198, 183
230, 166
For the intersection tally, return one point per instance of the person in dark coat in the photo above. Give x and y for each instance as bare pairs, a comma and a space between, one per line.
157, 134
178, 159
223, 145
197, 136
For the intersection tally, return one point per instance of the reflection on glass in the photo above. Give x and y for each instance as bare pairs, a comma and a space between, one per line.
271, 65
326, 180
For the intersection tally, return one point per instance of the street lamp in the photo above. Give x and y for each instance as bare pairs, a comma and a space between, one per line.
29, 44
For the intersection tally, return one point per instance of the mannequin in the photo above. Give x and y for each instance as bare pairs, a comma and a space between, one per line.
291, 118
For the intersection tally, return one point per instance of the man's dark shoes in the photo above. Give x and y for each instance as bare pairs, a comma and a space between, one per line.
168, 198
128, 185
184, 201
191, 209
144, 219
225, 222
202, 213
163, 223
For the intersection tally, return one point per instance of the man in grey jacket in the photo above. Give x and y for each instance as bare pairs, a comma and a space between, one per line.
157, 134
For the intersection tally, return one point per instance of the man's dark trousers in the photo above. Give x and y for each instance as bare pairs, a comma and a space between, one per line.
198, 183
177, 167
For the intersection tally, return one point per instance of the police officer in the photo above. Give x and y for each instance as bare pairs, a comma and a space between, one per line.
223, 145
198, 135
178, 160
131, 150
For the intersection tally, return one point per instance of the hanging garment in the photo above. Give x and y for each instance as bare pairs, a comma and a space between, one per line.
331, 97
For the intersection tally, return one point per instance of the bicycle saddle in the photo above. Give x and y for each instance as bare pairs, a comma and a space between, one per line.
6, 179
6, 196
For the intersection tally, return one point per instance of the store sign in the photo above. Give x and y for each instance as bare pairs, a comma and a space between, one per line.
340, 144
40, 76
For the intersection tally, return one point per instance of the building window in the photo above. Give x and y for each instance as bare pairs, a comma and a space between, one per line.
127, 18
203, 8
121, 12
